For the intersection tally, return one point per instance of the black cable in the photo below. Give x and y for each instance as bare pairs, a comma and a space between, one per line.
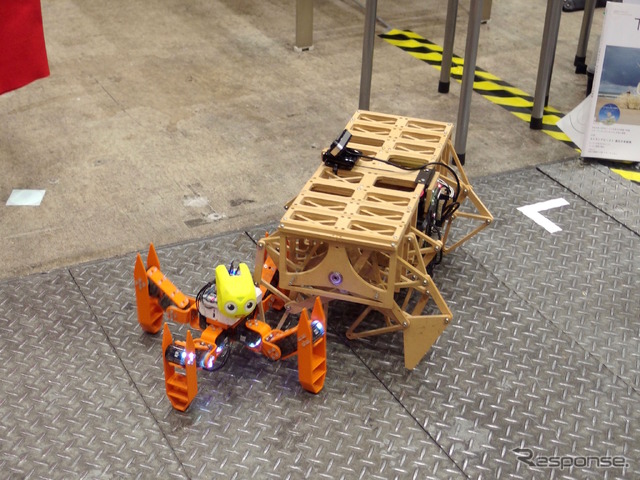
448, 211
397, 165
438, 258
422, 167
251, 238
222, 360
455, 175
200, 294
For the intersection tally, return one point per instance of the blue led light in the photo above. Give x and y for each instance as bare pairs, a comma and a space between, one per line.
316, 326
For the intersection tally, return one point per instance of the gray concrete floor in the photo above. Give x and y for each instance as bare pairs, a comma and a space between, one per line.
169, 120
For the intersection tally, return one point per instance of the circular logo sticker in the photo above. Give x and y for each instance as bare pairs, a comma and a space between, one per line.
609, 114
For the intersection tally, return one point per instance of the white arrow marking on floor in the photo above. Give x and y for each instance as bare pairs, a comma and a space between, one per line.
533, 212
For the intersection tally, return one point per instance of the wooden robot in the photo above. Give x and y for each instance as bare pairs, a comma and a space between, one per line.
388, 201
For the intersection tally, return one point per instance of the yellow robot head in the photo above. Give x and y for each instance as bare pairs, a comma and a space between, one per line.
236, 293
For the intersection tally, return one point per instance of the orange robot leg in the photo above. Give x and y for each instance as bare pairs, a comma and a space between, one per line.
312, 348
181, 387
155, 294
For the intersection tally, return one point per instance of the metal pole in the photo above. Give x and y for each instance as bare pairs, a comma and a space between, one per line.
583, 41
468, 73
304, 25
547, 50
486, 11
447, 48
367, 53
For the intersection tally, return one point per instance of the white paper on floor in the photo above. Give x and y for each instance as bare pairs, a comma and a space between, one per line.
25, 198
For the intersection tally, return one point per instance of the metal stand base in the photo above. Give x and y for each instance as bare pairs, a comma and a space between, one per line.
535, 124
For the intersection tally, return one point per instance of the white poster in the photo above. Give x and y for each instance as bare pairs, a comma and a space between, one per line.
613, 126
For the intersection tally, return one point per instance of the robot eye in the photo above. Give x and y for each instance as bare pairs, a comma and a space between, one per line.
230, 307
249, 306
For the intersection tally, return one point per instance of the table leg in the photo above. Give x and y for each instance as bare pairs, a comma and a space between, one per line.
547, 50
304, 25
447, 48
583, 41
367, 53
468, 74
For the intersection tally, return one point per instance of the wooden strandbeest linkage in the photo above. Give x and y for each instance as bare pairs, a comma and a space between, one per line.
369, 234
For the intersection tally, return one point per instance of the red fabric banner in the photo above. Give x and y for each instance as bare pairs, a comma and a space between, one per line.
23, 56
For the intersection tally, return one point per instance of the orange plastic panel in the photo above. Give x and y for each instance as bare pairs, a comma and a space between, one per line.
312, 357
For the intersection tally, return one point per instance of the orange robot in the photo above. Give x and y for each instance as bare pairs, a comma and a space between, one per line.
225, 311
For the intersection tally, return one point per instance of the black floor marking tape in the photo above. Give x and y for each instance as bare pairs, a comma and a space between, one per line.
494, 89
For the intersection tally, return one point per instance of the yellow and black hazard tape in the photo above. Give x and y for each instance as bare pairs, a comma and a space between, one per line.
494, 89
628, 172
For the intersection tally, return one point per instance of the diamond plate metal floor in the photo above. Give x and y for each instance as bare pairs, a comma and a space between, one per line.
543, 354
598, 185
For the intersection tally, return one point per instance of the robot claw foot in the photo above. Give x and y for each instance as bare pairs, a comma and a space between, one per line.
180, 378
150, 312
312, 348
